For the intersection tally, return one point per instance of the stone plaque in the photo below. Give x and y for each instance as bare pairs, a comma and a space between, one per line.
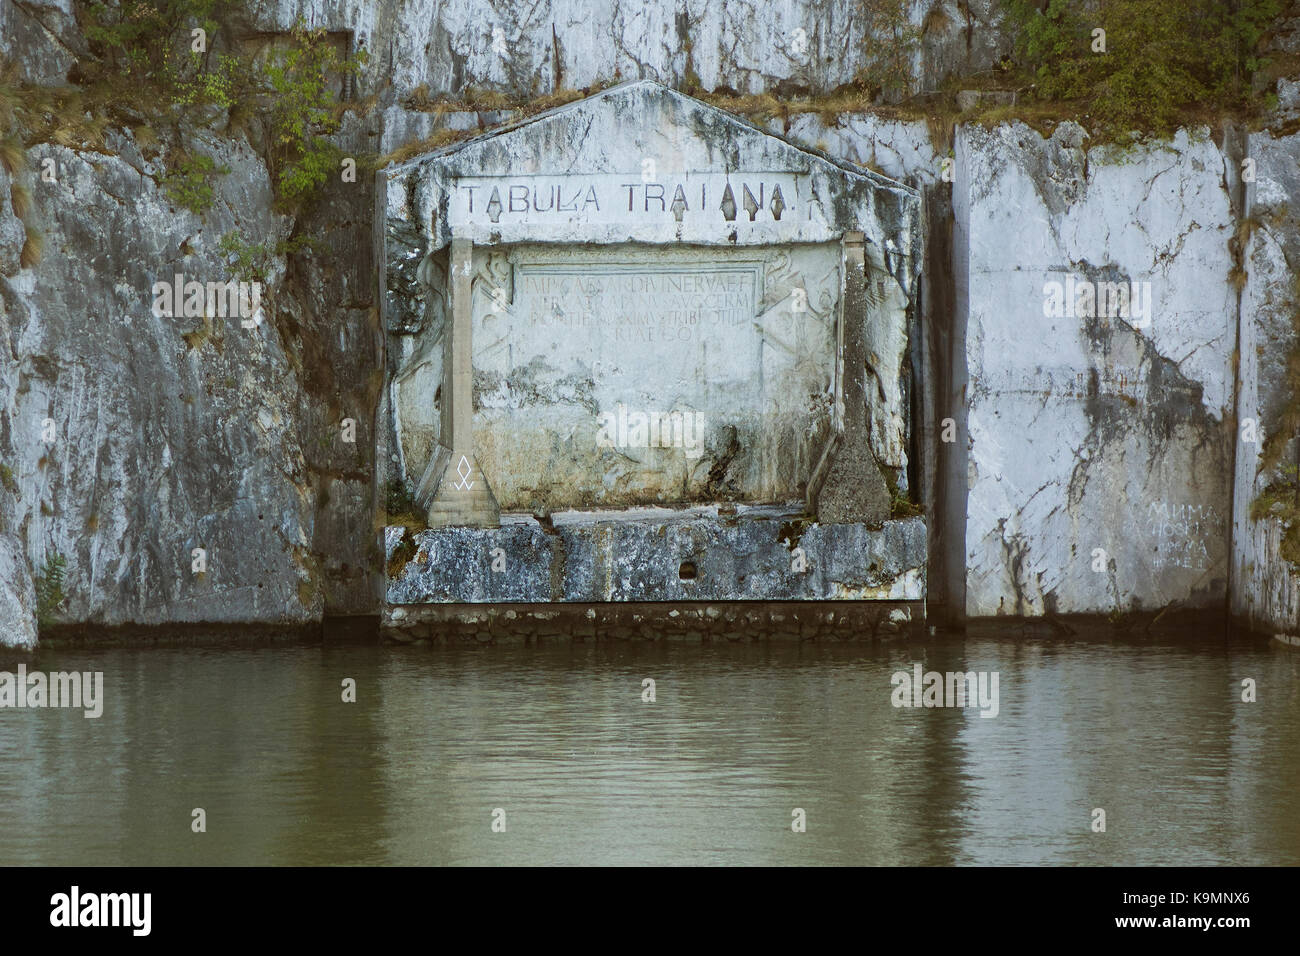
606, 379
640, 302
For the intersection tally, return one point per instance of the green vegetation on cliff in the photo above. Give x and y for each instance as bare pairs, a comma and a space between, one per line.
1280, 497
1141, 65
168, 68
890, 43
189, 182
49, 589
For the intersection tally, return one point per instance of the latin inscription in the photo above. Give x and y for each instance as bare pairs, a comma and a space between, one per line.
1182, 533
638, 304
768, 197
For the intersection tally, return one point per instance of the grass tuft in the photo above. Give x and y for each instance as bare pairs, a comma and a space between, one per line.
33, 247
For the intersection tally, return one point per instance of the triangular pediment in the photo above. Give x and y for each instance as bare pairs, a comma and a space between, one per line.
641, 162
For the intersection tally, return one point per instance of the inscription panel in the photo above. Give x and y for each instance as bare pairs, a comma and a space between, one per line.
639, 303
582, 355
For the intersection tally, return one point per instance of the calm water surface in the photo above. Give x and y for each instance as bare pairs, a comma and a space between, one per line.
739, 735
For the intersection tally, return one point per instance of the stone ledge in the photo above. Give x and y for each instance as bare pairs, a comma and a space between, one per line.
723, 622
653, 555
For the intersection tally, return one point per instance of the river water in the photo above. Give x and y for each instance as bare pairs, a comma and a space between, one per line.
584, 770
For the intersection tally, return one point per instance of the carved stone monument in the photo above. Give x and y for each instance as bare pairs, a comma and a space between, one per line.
640, 312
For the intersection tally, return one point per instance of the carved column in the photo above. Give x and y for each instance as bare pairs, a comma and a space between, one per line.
453, 488
853, 489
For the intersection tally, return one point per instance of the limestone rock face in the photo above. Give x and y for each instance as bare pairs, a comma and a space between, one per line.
12, 232
743, 45
451, 46
17, 594
1266, 589
901, 149
41, 37
131, 439
1081, 441
17, 597
1094, 441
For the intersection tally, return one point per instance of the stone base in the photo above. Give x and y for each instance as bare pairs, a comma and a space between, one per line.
657, 554
455, 492
732, 622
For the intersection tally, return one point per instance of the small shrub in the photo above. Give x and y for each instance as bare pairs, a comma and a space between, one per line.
402, 554
12, 155
220, 86
401, 506
33, 247
141, 63
49, 590
189, 184
251, 262
147, 43
889, 46
303, 111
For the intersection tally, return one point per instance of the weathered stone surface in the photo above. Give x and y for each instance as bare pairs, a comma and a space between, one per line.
41, 37
658, 555
1265, 588
12, 232
705, 621
739, 340
927, 381
454, 565
17, 595
453, 46
157, 452
959, 38
900, 149
854, 490
1094, 433
1288, 99
750, 384
135, 438
629, 136
742, 45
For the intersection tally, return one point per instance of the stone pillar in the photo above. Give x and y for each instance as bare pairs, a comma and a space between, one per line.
854, 489
453, 488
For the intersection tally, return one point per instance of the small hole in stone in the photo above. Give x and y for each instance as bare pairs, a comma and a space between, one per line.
687, 571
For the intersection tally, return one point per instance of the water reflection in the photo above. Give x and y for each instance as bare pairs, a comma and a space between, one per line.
586, 772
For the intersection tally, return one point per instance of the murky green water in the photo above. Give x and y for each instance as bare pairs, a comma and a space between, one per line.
586, 772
